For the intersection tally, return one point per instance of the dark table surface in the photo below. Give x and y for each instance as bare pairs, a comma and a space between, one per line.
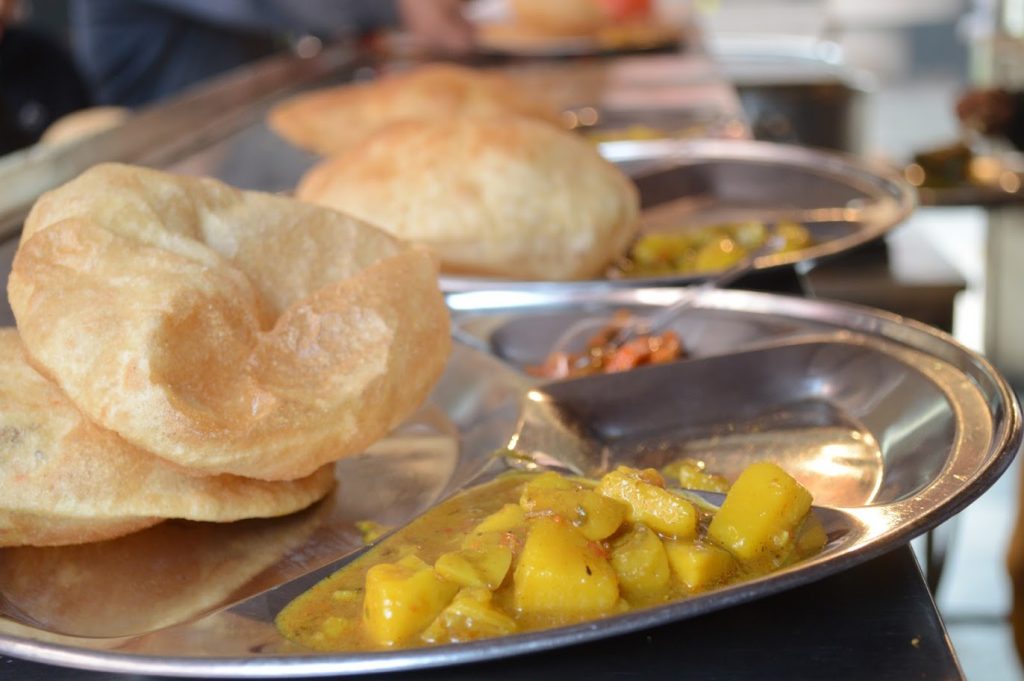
876, 621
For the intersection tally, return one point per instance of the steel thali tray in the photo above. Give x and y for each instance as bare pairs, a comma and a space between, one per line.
891, 424
843, 201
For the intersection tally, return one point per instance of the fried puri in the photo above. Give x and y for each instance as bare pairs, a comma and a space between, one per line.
507, 197
178, 570
332, 120
562, 18
64, 480
83, 123
225, 331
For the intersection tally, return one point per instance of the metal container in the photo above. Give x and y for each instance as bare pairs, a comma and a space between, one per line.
796, 90
892, 425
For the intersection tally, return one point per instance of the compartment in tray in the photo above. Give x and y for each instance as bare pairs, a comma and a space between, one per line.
911, 425
743, 183
527, 340
854, 423
693, 184
698, 195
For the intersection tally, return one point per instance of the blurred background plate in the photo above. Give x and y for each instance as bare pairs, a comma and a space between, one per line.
514, 40
506, 38
689, 184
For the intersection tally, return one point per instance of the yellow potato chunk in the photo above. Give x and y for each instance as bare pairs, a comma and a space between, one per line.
402, 599
560, 572
483, 567
699, 565
336, 627
345, 595
371, 530
650, 503
596, 516
719, 254
656, 249
549, 480
470, 616
760, 516
811, 538
493, 530
640, 562
795, 235
692, 474
411, 560
504, 519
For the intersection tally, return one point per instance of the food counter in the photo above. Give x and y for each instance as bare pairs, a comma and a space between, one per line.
877, 614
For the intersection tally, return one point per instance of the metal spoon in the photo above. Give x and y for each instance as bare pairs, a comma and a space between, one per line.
575, 337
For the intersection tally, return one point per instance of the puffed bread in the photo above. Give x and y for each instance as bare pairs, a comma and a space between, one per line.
507, 197
332, 120
225, 331
64, 480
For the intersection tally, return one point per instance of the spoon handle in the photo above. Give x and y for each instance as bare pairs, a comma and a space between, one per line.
665, 316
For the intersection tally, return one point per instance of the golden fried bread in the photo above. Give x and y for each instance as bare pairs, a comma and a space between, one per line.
226, 331
509, 197
64, 480
178, 570
331, 120
28, 528
83, 123
565, 17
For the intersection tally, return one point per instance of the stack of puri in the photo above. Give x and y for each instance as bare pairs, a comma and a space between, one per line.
188, 350
468, 164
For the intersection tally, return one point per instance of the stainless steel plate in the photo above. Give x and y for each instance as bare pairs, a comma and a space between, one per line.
845, 202
508, 40
892, 425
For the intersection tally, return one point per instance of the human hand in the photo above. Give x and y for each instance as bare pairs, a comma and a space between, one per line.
989, 111
437, 24
9, 10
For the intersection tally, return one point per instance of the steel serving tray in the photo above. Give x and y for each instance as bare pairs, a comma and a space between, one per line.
892, 425
844, 201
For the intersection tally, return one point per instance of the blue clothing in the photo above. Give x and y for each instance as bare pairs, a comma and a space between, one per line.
38, 85
136, 51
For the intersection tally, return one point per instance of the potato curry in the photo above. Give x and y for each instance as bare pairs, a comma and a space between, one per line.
708, 249
531, 551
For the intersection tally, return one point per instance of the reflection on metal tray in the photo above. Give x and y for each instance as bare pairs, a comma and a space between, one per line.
844, 202
892, 425
606, 125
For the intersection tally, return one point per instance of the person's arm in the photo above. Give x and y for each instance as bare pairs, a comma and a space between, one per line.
435, 24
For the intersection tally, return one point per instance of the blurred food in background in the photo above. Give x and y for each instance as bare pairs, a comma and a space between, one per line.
578, 26
707, 249
498, 196
957, 166
606, 352
332, 120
